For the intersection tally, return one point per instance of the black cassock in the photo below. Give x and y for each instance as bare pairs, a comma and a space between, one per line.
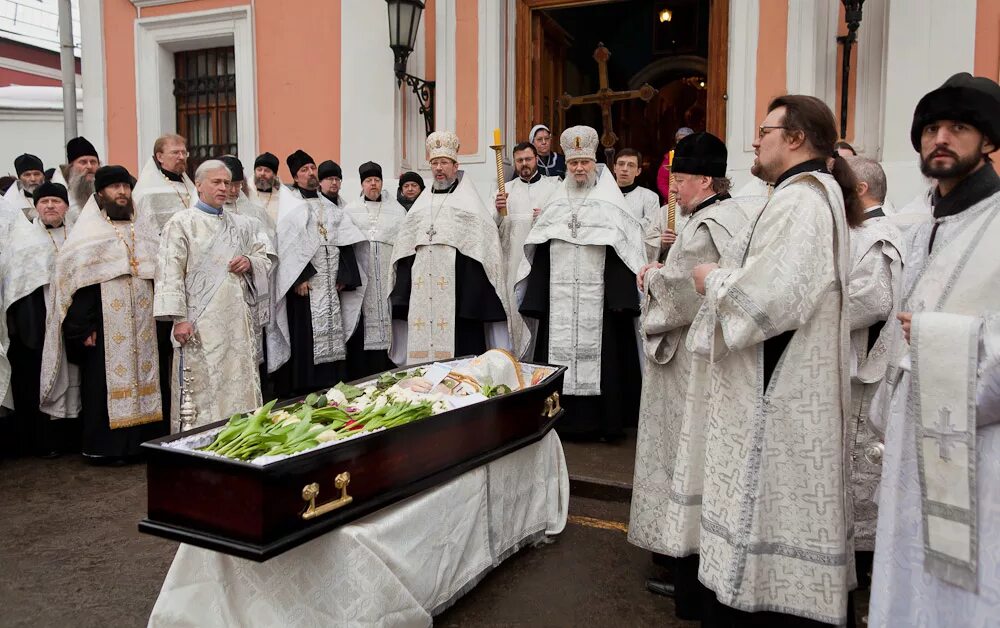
363, 362
476, 302
300, 375
34, 432
617, 407
85, 316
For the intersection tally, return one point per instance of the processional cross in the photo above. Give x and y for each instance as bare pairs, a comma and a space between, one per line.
604, 96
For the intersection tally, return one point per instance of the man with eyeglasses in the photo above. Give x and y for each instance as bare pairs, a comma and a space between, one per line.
164, 188
775, 544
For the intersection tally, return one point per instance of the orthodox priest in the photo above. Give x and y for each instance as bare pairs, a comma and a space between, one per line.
938, 550
243, 200
330, 177
102, 314
377, 215
211, 273
267, 183
30, 175
578, 282
526, 195
874, 290
317, 303
27, 262
164, 188
447, 269
78, 174
775, 508
669, 460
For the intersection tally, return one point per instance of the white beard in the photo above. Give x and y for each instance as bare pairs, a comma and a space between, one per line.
576, 189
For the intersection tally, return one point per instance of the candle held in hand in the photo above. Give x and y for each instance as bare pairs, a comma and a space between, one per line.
670, 158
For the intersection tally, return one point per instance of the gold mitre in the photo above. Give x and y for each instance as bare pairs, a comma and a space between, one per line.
442, 144
579, 142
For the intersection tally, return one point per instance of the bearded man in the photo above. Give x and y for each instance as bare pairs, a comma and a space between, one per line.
163, 188
317, 302
775, 510
27, 263
267, 183
577, 282
447, 270
669, 459
211, 274
330, 177
937, 550
78, 174
102, 316
378, 216
526, 195
30, 175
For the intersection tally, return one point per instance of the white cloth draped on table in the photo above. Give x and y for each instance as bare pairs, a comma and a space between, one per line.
397, 567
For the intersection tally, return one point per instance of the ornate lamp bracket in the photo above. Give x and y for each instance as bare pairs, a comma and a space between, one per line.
852, 16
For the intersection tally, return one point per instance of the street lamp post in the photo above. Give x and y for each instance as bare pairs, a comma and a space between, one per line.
852, 15
404, 20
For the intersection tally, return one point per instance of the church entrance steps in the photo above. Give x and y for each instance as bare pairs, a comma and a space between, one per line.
601, 470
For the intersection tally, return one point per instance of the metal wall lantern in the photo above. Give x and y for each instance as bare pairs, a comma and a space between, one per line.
852, 15
404, 20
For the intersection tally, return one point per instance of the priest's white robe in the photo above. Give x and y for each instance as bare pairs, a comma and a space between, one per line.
379, 222
874, 293
669, 461
522, 199
776, 520
951, 372
193, 284
16, 199
644, 203
160, 198
436, 229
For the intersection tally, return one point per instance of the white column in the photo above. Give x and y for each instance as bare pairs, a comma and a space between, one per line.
367, 93
92, 67
927, 42
744, 18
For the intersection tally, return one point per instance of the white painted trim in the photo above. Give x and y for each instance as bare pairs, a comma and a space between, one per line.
158, 38
93, 78
35, 115
444, 42
869, 97
741, 104
142, 4
489, 79
811, 55
32, 68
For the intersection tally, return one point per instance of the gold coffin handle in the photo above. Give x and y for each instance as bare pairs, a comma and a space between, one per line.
311, 491
552, 407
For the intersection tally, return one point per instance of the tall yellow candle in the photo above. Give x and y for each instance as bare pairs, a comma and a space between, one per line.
670, 159
496, 137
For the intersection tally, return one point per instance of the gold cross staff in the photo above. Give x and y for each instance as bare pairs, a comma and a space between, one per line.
604, 96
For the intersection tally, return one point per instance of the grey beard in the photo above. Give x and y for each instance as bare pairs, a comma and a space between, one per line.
575, 186
262, 185
443, 185
80, 187
29, 189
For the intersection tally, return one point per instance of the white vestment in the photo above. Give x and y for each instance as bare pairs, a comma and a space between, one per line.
435, 230
522, 199
159, 197
580, 227
776, 518
937, 556
121, 258
16, 199
311, 231
669, 459
874, 293
379, 222
193, 284
27, 262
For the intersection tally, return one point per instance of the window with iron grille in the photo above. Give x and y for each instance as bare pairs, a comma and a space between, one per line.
205, 91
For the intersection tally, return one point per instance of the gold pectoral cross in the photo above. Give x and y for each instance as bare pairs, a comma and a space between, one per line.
322, 230
134, 263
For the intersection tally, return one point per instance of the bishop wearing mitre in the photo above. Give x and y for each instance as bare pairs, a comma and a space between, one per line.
447, 272
578, 282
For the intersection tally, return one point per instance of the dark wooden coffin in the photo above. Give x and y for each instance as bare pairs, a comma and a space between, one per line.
257, 512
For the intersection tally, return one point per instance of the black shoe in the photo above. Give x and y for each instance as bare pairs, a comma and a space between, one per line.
660, 587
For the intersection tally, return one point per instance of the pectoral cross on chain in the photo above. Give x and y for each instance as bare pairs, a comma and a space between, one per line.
574, 225
431, 232
946, 434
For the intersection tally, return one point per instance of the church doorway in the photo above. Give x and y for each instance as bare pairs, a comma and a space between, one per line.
677, 47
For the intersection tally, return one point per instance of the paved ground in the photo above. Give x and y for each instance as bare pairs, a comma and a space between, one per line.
70, 555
